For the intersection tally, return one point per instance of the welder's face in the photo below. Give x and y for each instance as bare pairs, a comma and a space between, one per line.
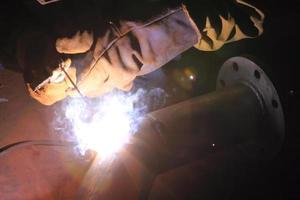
55, 87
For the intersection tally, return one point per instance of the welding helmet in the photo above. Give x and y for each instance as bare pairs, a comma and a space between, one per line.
42, 67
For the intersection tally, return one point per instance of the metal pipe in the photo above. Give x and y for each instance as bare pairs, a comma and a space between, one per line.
244, 113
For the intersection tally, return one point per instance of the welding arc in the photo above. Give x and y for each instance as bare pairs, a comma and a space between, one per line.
10, 147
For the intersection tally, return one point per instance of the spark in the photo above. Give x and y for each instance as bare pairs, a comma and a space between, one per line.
105, 124
111, 124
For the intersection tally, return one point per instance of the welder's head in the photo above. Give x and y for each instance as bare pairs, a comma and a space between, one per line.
42, 67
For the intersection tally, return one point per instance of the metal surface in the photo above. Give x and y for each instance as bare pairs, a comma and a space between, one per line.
30, 172
198, 149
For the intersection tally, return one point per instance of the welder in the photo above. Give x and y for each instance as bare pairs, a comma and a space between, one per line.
110, 54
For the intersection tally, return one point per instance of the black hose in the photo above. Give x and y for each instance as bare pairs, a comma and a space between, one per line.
10, 147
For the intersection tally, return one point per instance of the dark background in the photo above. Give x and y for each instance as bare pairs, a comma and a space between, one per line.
276, 51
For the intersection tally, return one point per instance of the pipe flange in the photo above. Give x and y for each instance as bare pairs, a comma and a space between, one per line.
240, 70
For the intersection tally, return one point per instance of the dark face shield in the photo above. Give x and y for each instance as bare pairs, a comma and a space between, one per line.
58, 75
43, 68
57, 86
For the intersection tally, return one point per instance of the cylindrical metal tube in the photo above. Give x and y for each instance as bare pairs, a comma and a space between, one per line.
242, 114
189, 130
218, 119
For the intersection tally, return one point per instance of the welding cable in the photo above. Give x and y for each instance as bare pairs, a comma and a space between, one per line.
70, 79
21, 144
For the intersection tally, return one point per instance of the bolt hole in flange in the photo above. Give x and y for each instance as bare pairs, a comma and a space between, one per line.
235, 66
274, 103
257, 74
222, 82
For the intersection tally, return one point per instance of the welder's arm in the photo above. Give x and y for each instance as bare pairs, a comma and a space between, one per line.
130, 48
112, 59
219, 22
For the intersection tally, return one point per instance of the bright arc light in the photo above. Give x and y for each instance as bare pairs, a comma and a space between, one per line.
112, 124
